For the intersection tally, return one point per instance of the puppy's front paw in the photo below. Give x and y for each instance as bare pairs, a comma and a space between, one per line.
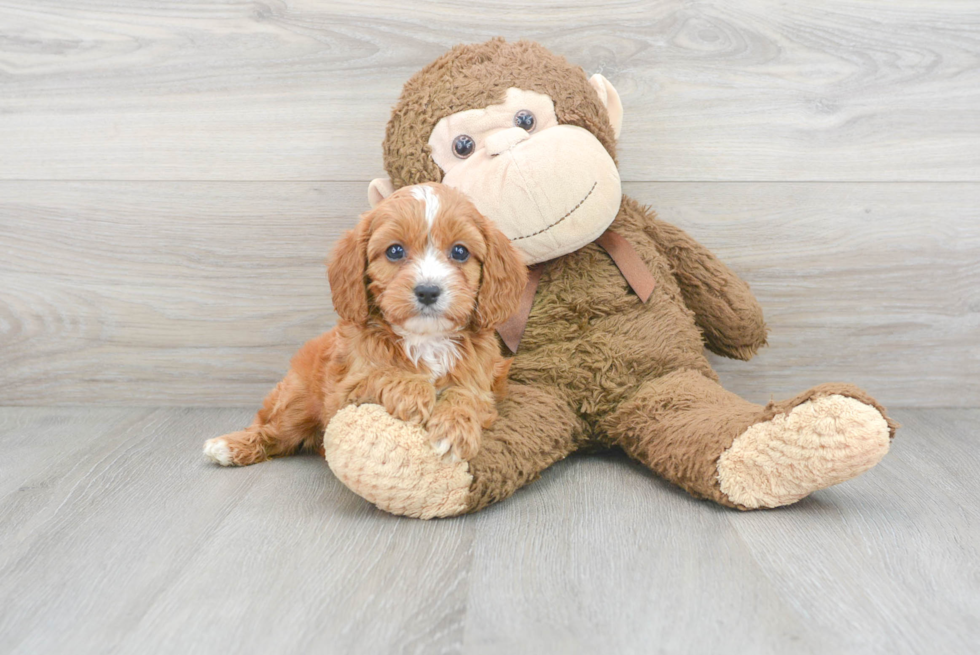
410, 400
459, 431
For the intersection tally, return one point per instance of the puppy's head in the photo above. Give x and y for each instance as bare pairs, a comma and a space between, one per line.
427, 261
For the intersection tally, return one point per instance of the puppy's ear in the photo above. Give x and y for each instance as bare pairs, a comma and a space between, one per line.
346, 270
504, 278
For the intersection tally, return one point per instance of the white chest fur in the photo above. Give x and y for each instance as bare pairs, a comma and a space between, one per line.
439, 352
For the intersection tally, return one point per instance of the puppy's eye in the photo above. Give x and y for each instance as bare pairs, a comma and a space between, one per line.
395, 252
463, 146
524, 120
459, 253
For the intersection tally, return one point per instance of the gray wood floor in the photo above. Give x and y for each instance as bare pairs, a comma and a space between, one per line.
118, 537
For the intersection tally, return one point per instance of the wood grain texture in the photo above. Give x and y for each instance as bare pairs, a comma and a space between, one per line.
127, 287
759, 90
199, 293
123, 536
127, 541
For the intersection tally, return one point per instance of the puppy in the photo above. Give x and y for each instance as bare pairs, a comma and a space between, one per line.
420, 285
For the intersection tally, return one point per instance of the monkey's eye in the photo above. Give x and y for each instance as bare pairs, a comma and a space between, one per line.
395, 252
524, 120
459, 253
463, 146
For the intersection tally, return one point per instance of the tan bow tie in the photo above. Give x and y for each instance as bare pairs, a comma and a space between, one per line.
623, 254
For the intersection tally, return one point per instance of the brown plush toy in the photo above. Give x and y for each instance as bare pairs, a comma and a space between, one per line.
617, 314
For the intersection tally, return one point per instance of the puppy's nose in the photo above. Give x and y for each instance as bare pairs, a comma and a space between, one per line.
427, 293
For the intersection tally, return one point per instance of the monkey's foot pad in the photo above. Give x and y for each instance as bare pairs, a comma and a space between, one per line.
393, 465
819, 443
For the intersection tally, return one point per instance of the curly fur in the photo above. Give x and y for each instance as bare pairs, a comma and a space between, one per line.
437, 365
596, 366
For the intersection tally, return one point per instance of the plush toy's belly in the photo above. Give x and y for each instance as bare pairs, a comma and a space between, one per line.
590, 337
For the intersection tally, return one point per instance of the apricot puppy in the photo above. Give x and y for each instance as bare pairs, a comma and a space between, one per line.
420, 284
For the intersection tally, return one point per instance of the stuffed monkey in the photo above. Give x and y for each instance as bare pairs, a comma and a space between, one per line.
610, 343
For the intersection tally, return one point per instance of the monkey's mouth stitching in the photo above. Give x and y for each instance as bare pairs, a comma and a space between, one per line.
570, 212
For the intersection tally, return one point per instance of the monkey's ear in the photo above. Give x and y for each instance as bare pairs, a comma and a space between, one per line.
610, 98
379, 189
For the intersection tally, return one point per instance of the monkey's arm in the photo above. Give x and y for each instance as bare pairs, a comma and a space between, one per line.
725, 309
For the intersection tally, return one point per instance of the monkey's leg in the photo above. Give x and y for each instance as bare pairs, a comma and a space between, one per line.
393, 465
692, 432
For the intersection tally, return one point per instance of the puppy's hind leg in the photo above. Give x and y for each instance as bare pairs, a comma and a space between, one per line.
290, 417
287, 420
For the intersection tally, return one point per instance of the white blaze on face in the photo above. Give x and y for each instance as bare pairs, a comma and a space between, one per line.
428, 337
427, 196
432, 268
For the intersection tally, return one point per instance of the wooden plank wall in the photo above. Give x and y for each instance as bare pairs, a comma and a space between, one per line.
172, 175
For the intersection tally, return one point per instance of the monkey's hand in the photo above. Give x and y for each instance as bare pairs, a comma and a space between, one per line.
725, 309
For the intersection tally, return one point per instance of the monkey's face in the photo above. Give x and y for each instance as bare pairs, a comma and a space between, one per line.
550, 188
